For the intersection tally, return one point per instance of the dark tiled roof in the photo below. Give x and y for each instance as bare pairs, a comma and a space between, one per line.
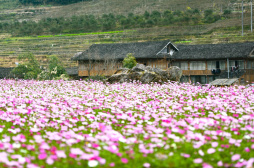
120, 50
5, 73
214, 51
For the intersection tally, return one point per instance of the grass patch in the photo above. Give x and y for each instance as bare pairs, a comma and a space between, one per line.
83, 34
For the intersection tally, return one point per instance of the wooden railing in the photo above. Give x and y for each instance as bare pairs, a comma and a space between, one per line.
197, 72
97, 73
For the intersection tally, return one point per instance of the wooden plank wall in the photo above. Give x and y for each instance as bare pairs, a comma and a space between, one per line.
100, 70
249, 76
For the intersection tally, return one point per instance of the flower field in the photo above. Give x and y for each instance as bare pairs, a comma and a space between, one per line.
91, 124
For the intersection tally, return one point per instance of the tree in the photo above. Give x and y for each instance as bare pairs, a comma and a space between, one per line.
54, 70
29, 69
106, 65
55, 67
129, 61
146, 15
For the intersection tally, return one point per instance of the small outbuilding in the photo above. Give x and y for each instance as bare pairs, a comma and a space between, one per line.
225, 82
5, 73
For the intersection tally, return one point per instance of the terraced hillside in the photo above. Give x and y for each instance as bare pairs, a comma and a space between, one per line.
65, 46
11, 9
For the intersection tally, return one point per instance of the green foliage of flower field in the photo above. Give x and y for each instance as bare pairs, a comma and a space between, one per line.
91, 124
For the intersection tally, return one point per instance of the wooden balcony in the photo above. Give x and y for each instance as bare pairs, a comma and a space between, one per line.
199, 72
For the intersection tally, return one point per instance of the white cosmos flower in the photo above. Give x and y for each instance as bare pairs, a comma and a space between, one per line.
122, 139
16, 145
174, 145
247, 137
23, 151
92, 163
22, 160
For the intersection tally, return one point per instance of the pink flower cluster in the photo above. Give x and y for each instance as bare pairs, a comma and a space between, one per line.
93, 124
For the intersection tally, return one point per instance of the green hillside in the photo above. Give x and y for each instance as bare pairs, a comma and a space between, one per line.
66, 44
100, 7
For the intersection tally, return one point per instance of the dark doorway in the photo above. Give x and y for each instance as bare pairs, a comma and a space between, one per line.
217, 64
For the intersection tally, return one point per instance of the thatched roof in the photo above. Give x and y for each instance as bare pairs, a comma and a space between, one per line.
214, 51
120, 50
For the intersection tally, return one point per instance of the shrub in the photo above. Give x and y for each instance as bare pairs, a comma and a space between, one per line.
227, 12
55, 70
55, 67
29, 69
129, 61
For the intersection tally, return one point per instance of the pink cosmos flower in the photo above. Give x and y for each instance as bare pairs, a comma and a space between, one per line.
250, 163
119, 154
76, 151
198, 160
146, 165
42, 156
215, 144
60, 154
124, 160
112, 164
185, 155
206, 165
220, 163
211, 150
235, 157
95, 145
49, 161
72, 155
247, 149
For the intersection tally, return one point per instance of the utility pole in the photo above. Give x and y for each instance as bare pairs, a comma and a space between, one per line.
242, 17
251, 16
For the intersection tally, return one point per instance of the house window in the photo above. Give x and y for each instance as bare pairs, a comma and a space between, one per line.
222, 65
216, 65
250, 64
236, 63
184, 65
197, 65
241, 64
199, 79
211, 65
176, 64
181, 64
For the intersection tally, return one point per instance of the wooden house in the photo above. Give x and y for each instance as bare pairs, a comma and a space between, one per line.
105, 59
207, 62
200, 63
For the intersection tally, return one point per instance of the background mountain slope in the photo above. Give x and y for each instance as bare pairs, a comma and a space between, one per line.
227, 29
